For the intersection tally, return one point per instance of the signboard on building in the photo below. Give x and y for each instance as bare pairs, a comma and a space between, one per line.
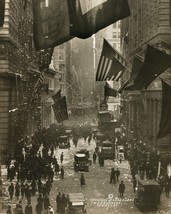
103, 106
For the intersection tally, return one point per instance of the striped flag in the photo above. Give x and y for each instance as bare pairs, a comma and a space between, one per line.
60, 110
39, 82
111, 64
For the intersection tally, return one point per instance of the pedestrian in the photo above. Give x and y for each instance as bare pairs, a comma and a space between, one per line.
167, 188
134, 184
94, 157
46, 203
62, 157
17, 190
117, 174
63, 204
39, 209
28, 209
58, 202
121, 189
22, 191
18, 209
56, 168
112, 176
40, 200
82, 180
33, 187
9, 211
11, 191
62, 172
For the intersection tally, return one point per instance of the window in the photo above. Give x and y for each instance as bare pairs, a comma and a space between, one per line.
119, 34
114, 25
114, 45
114, 35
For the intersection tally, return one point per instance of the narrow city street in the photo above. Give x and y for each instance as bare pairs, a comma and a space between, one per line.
101, 196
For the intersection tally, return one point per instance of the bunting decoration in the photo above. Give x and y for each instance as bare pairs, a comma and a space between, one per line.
165, 121
57, 21
111, 64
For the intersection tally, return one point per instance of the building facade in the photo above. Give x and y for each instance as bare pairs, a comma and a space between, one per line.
20, 68
149, 23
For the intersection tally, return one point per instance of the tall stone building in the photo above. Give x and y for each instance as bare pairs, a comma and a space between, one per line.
20, 68
149, 23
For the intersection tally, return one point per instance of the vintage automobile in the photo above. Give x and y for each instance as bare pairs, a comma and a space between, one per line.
76, 204
81, 160
63, 142
107, 150
147, 194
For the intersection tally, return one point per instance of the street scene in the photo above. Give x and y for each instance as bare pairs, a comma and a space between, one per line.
85, 107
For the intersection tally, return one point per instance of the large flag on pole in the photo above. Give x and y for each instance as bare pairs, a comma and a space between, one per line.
2, 12
57, 21
89, 16
155, 63
111, 64
39, 82
165, 122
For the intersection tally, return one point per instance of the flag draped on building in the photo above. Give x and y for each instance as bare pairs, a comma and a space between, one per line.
57, 21
60, 109
165, 121
155, 63
88, 17
111, 64
109, 92
2, 12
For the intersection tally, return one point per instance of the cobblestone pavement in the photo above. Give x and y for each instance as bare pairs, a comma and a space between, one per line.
101, 196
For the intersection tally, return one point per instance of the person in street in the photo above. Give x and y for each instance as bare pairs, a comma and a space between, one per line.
39, 209
167, 188
82, 180
9, 211
18, 209
11, 191
40, 200
117, 174
121, 188
112, 176
46, 203
62, 157
63, 204
58, 202
134, 184
62, 172
28, 209
17, 191
94, 157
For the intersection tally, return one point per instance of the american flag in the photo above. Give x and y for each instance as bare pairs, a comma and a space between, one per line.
111, 64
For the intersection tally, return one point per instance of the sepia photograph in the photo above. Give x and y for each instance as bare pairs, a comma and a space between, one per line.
85, 106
